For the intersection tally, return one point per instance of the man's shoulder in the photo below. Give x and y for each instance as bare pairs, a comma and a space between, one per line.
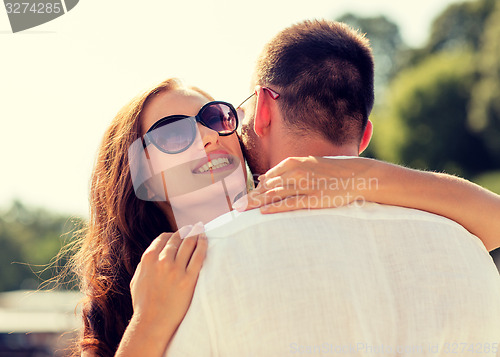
362, 212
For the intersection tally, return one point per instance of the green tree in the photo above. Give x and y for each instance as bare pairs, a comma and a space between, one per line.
385, 39
461, 25
425, 123
30, 239
458, 28
388, 50
491, 181
11, 273
484, 113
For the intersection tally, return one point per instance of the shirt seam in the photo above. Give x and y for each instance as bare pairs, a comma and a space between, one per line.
402, 217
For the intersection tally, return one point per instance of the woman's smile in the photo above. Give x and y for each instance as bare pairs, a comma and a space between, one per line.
215, 162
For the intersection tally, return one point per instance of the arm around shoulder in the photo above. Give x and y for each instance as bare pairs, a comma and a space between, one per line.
314, 182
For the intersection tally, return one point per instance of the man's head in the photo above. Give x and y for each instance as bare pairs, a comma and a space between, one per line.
323, 72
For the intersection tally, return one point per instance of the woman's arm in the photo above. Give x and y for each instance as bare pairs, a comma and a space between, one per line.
475, 208
314, 182
162, 288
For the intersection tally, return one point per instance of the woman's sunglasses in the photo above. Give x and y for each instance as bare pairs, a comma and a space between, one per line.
176, 133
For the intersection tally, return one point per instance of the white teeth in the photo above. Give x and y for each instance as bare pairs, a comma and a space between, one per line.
214, 164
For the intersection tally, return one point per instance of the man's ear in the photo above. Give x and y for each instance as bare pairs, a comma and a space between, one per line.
262, 119
367, 135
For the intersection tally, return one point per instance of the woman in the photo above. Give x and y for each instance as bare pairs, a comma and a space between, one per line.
138, 278
122, 227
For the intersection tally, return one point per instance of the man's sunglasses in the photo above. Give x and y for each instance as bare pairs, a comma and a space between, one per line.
176, 133
275, 95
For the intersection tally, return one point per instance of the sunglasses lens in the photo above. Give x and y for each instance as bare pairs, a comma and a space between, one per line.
173, 136
220, 117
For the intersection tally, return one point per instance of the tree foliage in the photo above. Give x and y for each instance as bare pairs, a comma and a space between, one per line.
386, 42
30, 240
441, 112
425, 124
484, 113
460, 26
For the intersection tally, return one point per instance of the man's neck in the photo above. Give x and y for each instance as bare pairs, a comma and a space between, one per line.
308, 147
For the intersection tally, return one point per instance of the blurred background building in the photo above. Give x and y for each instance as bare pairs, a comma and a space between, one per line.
38, 323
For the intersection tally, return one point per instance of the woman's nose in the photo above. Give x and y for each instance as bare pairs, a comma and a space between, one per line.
208, 136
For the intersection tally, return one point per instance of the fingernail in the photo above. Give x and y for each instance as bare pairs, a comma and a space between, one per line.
197, 229
184, 231
261, 177
241, 204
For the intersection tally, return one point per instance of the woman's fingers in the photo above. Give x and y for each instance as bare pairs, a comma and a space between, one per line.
315, 194
256, 199
292, 177
155, 248
304, 177
310, 201
314, 182
183, 246
167, 275
188, 244
286, 165
288, 204
276, 189
158, 243
171, 248
196, 261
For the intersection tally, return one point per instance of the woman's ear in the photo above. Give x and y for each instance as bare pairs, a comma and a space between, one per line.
262, 120
367, 135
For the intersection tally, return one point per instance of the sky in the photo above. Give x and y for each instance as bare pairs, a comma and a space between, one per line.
62, 83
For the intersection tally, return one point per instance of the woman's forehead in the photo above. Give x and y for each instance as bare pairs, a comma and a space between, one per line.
182, 101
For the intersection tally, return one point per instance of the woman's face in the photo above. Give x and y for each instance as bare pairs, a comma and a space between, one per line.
190, 176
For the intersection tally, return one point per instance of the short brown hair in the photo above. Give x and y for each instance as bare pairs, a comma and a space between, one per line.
324, 73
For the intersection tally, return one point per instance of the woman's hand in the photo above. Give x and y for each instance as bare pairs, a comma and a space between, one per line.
313, 182
164, 281
162, 288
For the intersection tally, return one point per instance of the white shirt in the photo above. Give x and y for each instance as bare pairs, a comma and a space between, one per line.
352, 281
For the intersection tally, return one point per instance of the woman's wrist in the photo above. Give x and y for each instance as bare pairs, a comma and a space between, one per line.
145, 336
378, 176
158, 324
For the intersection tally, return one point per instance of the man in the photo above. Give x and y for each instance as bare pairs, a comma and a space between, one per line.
323, 73
358, 280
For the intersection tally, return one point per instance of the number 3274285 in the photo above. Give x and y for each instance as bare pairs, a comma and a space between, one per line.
34, 8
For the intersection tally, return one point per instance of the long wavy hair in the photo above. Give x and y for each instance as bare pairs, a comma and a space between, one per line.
119, 230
